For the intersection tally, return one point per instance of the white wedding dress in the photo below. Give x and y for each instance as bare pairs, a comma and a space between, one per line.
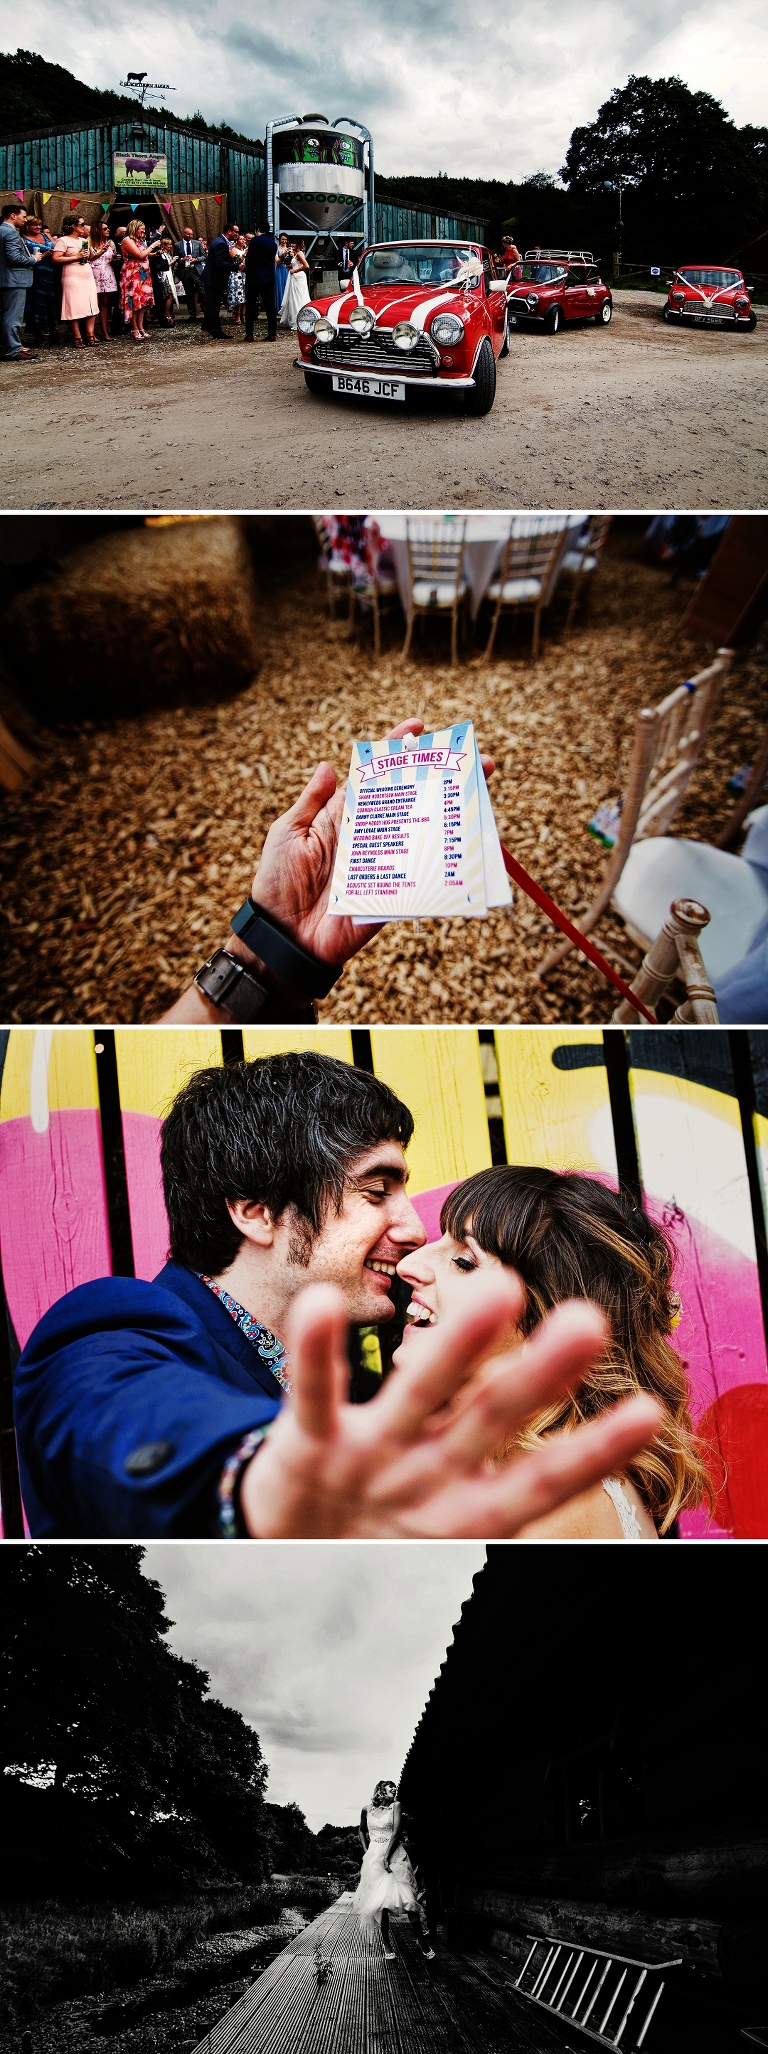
380, 1889
295, 296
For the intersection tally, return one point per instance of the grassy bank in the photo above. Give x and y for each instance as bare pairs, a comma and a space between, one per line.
53, 1951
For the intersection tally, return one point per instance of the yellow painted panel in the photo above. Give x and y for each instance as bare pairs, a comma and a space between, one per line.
48, 1070
154, 1062
278, 1041
437, 1072
558, 1118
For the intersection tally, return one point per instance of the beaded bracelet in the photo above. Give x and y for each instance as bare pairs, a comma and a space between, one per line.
230, 1518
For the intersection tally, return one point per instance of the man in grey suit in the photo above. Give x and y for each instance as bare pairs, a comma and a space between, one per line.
17, 265
192, 253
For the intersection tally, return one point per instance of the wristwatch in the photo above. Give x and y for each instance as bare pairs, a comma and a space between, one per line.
304, 973
228, 984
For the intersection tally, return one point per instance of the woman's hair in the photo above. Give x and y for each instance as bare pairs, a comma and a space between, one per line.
31, 222
133, 229
381, 1791
569, 1236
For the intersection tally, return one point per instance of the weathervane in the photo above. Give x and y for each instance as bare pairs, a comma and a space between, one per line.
142, 85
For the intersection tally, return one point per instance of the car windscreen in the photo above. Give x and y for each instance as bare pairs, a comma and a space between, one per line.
413, 264
715, 280
539, 274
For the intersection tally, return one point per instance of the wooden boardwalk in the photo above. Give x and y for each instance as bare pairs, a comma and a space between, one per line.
367, 2005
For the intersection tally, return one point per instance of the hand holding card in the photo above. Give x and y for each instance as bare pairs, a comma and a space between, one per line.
417, 838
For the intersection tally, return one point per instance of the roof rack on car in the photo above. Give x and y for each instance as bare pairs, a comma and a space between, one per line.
565, 256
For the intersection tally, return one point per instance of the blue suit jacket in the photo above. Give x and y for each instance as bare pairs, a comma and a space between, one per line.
120, 1365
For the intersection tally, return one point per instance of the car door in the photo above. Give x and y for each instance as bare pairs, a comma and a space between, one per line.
593, 290
575, 293
496, 300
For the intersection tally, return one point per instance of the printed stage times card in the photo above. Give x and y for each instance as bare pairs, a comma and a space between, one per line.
418, 839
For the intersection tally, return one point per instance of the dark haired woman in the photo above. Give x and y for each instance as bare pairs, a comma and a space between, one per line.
387, 1881
568, 1236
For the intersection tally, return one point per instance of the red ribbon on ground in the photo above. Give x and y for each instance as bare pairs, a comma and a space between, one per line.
540, 898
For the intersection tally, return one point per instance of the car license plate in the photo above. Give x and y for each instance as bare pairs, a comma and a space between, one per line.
712, 317
368, 388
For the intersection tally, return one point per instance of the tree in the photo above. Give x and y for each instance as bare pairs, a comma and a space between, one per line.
118, 1735
688, 174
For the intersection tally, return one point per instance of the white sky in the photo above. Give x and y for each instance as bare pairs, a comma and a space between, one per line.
489, 90
329, 1649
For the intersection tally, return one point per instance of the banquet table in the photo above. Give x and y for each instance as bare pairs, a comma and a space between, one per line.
484, 539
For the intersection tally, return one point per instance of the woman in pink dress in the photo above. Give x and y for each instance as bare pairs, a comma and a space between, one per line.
79, 300
100, 253
136, 288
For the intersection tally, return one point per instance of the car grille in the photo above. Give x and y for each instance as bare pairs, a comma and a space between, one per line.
708, 313
375, 352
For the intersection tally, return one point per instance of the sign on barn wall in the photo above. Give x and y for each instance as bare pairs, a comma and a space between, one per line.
140, 167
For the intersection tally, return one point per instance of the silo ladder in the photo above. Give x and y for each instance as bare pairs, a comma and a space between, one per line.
610, 1998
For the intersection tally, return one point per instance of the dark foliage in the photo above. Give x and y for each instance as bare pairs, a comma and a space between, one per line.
296, 1850
35, 94
121, 1772
696, 186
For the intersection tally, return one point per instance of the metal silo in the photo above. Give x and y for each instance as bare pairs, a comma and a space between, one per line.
319, 177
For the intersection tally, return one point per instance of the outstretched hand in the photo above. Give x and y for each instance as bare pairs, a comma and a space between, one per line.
413, 1463
293, 880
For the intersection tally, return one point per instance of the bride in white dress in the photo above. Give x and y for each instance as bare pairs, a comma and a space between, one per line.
387, 1881
297, 290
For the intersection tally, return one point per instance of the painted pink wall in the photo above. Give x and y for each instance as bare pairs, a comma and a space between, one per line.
53, 1212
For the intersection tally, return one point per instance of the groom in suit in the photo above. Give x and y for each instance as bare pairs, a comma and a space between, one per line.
260, 282
191, 250
17, 265
219, 263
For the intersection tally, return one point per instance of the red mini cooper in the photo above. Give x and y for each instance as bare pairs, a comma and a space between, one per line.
712, 296
551, 287
415, 314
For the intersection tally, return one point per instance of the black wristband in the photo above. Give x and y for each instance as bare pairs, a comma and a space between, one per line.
227, 983
284, 957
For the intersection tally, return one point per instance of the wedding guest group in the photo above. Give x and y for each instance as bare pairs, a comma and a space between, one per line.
103, 284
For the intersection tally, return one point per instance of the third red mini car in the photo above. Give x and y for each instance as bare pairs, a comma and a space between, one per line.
711, 296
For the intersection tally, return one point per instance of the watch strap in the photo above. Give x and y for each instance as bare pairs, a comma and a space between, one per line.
227, 983
282, 955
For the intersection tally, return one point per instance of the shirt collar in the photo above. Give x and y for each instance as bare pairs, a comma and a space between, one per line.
271, 1350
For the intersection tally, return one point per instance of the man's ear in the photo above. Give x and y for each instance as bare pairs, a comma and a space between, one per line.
253, 1220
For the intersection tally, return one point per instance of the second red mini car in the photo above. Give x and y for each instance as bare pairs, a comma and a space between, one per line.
553, 287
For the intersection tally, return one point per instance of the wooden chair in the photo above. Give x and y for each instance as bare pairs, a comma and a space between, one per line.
668, 742
436, 583
675, 955
338, 576
582, 559
526, 581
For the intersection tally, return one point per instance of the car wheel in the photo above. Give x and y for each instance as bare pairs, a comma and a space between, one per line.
752, 322
669, 316
504, 351
604, 313
480, 396
317, 383
552, 323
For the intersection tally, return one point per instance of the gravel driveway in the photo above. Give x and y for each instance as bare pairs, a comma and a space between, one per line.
637, 415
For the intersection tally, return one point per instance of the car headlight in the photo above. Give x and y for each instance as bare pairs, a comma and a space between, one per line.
404, 336
324, 330
447, 329
362, 320
742, 299
308, 319
532, 299
677, 296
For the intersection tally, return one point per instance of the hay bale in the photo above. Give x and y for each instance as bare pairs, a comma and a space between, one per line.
143, 618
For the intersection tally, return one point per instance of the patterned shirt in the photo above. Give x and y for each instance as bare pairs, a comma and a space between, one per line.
266, 1344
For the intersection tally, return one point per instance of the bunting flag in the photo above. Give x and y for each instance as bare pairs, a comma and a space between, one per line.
46, 197
195, 203
167, 205
19, 195
73, 203
134, 205
218, 198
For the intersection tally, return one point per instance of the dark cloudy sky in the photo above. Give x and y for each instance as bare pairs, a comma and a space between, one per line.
329, 1650
485, 88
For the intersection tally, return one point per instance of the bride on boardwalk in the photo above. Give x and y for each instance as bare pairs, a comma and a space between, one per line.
387, 1881
297, 289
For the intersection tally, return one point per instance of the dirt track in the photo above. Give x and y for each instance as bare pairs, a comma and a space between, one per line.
635, 416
